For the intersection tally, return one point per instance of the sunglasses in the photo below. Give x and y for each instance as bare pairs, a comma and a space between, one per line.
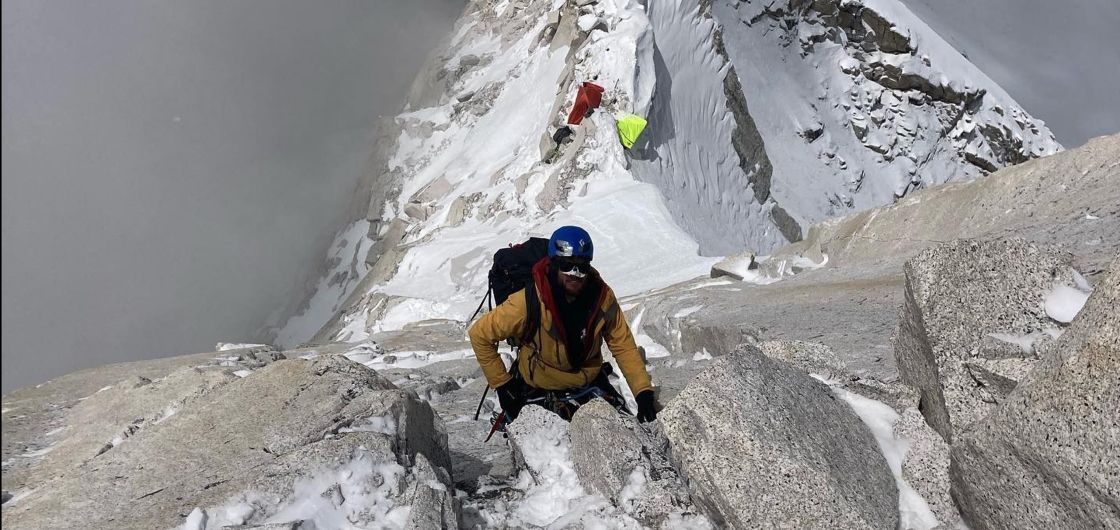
574, 268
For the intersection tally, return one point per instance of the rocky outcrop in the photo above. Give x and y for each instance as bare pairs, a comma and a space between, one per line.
765, 446
627, 464
895, 82
258, 435
956, 295
1070, 198
1049, 455
109, 418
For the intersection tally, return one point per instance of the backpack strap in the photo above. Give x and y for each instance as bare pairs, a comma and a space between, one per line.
532, 314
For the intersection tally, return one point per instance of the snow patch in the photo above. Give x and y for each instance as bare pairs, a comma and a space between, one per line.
38, 453
1024, 342
913, 510
358, 494
223, 346
1064, 302
687, 311
19, 495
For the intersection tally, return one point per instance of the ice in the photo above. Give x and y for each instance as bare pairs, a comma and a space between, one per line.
1064, 302
1081, 282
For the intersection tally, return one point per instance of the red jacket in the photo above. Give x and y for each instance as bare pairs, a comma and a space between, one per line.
589, 96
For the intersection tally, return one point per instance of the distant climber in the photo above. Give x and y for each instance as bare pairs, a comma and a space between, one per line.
588, 98
630, 127
561, 319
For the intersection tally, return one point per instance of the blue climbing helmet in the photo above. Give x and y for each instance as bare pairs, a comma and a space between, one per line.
570, 241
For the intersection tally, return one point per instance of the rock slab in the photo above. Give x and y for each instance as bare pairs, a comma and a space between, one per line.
957, 294
1049, 455
290, 420
763, 445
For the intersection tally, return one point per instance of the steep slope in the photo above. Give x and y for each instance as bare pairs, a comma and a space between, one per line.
761, 120
829, 106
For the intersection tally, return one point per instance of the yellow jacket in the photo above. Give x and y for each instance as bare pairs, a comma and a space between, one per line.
551, 370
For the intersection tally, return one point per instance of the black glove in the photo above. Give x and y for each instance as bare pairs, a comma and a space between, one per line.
647, 406
512, 397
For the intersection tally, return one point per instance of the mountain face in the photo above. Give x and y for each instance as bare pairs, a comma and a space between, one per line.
889, 369
762, 119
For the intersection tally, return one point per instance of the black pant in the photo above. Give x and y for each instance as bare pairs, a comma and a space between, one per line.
565, 403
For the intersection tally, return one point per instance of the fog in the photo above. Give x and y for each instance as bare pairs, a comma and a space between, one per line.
170, 168
1059, 60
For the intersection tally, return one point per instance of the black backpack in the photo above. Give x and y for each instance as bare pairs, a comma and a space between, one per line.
511, 272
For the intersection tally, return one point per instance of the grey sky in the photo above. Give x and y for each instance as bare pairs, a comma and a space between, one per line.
1059, 60
169, 167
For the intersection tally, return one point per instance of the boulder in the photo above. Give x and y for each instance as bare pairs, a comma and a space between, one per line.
288, 421
956, 295
763, 445
739, 266
809, 357
605, 451
627, 463
534, 429
1049, 455
433, 504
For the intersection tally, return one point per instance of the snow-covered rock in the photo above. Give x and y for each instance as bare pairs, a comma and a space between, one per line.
251, 450
765, 446
956, 295
926, 464
1049, 455
627, 463
769, 116
762, 120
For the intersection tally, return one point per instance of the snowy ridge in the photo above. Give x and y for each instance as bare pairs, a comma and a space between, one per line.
762, 120
688, 150
780, 114
860, 102
473, 169
346, 267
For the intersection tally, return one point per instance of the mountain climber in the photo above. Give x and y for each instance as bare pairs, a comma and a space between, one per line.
559, 363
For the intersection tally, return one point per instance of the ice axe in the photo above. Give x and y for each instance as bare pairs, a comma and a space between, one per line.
497, 424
